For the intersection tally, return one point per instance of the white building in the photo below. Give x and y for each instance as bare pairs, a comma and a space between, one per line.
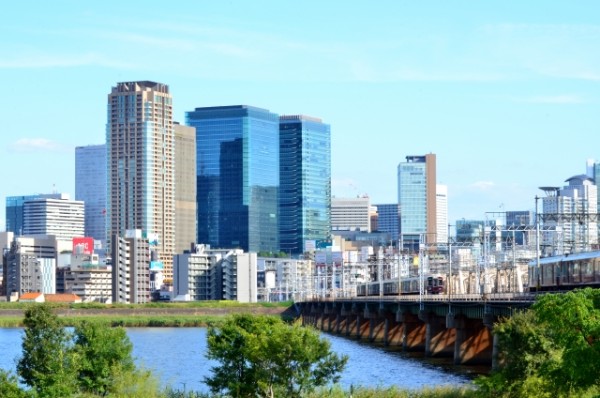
286, 278
351, 214
63, 218
89, 279
441, 199
215, 274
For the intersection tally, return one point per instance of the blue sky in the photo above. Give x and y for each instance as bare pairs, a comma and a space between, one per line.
505, 93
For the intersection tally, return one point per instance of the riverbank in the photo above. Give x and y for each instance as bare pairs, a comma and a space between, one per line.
148, 315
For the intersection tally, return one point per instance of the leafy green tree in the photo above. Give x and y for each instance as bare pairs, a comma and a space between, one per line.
553, 350
47, 364
263, 356
9, 386
104, 354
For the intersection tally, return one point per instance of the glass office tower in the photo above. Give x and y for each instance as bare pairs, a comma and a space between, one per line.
417, 199
90, 187
237, 168
305, 190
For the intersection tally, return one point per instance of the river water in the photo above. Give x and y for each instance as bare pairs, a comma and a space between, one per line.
176, 356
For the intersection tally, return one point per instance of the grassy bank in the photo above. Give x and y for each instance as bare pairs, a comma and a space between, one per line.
189, 314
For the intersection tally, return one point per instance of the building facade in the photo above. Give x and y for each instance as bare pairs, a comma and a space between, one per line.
63, 218
237, 168
140, 157
89, 279
388, 219
131, 268
305, 182
441, 198
14, 210
417, 199
90, 187
185, 187
351, 214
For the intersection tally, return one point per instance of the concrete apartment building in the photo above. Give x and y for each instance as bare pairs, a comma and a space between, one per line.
215, 274
141, 167
131, 268
185, 187
89, 279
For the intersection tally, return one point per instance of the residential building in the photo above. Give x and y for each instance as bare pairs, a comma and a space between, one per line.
215, 274
90, 188
89, 278
140, 157
305, 182
14, 210
237, 176
61, 217
570, 230
185, 187
351, 214
30, 265
417, 199
131, 268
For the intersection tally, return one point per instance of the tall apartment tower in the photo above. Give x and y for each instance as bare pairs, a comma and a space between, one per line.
90, 187
237, 176
305, 182
417, 199
140, 156
185, 187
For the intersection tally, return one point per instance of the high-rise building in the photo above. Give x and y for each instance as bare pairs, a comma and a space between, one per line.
305, 182
140, 158
417, 199
570, 230
388, 219
441, 198
14, 210
237, 170
63, 218
185, 187
351, 214
90, 187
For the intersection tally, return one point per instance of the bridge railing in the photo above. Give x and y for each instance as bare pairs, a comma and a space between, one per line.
436, 298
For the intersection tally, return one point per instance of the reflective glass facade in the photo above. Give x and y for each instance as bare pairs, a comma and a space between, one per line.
305, 191
417, 199
14, 210
237, 168
90, 187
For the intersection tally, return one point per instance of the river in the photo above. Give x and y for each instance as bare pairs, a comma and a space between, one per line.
176, 355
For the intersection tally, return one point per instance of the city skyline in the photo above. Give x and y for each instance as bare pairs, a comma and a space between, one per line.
505, 97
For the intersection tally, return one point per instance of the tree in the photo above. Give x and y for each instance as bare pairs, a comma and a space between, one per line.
552, 350
104, 354
9, 386
47, 364
263, 356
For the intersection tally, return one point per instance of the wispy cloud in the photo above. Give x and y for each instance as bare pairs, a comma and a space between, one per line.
483, 185
553, 99
43, 60
37, 144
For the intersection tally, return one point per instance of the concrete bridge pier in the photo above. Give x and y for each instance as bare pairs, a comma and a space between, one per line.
473, 343
439, 340
413, 336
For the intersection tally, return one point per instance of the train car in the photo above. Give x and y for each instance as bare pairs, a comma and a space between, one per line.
433, 284
565, 272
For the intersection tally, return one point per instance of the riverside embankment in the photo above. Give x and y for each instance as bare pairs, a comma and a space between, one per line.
149, 315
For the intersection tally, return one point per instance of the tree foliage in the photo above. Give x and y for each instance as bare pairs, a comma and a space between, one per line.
47, 362
553, 350
93, 360
263, 356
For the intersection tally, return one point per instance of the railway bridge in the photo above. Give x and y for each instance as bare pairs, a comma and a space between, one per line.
458, 327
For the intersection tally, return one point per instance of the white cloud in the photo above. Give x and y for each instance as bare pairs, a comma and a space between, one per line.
553, 99
483, 185
36, 144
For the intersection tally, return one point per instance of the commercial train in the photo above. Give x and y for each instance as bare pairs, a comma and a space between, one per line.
565, 272
434, 284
